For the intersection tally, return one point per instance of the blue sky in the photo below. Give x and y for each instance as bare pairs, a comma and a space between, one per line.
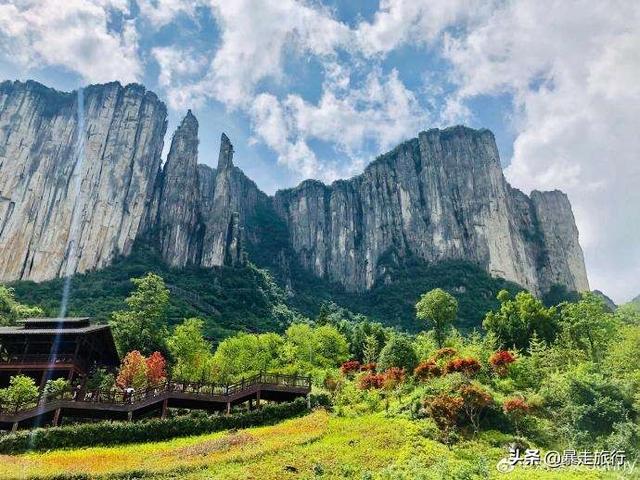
317, 89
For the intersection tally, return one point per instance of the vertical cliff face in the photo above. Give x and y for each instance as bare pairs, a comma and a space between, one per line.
440, 196
178, 201
202, 212
46, 185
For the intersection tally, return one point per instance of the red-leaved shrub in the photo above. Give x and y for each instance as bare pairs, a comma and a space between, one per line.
368, 367
515, 406
501, 360
467, 366
370, 381
475, 400
444, 410
392, 377
350, 367
426, 370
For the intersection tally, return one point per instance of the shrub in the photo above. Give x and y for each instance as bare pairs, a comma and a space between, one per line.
350, 367
115, 433
466, 366
22, 393
516, 409
500, 362
475, 399
426, 370
445, 410
445, 353
370, 381
398, 352
56, 388
369, 367
392, 378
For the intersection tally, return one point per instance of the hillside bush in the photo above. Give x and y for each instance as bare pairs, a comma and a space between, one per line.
153, 430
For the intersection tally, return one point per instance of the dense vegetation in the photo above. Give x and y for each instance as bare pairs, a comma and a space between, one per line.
552, 377
251, 299
227, 299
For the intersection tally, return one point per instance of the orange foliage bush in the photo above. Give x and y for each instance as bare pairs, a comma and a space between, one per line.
392, 377
426, 370
370, 380
467, 366
350, 367
501, 360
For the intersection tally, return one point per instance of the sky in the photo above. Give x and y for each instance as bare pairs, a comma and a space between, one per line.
310, 89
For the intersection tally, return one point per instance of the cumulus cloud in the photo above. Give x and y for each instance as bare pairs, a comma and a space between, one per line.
398, 22
73, 34
573, 77
381, 112
163, 12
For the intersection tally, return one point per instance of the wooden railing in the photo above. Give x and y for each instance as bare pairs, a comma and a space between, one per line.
120, 397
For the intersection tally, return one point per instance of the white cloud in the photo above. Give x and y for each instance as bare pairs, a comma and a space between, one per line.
73, 34
381, 111
572, 68
417, 21
163, 12
256, 36
177, 67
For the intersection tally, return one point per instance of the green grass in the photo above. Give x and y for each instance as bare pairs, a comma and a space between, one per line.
319, 445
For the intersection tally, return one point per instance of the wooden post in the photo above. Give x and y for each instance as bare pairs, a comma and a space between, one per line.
251, 404
56, 417
165, 404
228, 408
308, 401
258, 399
130, 415
14, 428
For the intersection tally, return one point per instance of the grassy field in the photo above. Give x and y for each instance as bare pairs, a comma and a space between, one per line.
319, 445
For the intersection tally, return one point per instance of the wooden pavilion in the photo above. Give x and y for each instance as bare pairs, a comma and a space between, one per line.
49, 348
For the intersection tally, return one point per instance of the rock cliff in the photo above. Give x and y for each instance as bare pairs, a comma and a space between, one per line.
62, 211
437, 197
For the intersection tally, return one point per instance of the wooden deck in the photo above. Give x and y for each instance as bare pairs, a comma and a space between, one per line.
117, 405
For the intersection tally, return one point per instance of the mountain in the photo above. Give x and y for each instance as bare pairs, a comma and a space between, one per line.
439, 197
606, 299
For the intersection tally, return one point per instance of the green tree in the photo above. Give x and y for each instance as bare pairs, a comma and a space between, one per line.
56, 388
517, 319
398, 352
100, 379
142, 326
370, 350
21, 393
306, 348
12, 310
589, 325
439, 308
190, 351
247, 354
